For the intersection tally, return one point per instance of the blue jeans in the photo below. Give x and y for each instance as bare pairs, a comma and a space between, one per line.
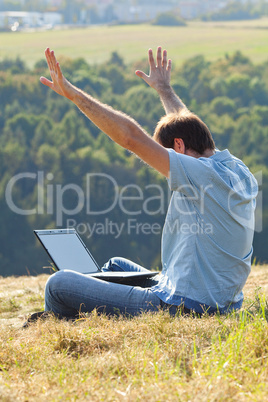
69, 293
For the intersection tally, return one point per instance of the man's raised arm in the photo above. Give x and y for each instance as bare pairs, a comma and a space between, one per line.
159, 79
118, 126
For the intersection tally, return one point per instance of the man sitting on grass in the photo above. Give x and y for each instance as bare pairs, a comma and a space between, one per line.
208, 232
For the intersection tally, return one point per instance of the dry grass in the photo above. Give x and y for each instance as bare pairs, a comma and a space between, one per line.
153, 357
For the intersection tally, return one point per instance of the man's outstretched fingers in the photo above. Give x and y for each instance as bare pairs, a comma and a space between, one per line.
159, 56
48, 57
46, 82
141, 74
169, 65
53, 60
151, 59
164, 59
59, 72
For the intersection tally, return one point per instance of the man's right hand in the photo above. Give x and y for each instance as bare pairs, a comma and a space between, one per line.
160, 72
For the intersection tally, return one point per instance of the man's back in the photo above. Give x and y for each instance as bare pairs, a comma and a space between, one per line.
207, 238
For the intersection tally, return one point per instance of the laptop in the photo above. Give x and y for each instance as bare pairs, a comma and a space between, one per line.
67, 251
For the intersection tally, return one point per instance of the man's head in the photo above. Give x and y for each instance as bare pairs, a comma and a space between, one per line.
185, 126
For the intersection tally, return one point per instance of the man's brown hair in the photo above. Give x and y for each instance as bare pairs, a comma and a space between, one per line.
187, 126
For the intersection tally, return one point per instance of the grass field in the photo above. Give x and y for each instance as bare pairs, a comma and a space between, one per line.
153, 357
95, 44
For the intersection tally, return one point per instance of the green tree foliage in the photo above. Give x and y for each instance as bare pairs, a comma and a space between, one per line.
169, 20
70, 163
223, 105
14, 66
236, 10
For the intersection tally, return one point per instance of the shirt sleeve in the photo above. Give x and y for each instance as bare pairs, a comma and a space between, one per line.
187, 173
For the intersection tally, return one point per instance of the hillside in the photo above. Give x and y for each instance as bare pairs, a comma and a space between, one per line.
59, 170
152, 357
20, 296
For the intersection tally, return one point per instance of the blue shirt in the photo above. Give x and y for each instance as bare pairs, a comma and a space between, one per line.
208, 232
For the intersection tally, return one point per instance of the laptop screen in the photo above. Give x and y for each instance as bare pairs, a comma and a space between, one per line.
67, 250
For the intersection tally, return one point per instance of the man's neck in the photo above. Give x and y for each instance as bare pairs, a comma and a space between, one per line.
206, 154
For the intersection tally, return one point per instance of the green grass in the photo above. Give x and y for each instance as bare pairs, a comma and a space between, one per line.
95, 44
153, 357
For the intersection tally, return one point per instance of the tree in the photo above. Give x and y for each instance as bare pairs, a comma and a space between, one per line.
168, 19
223, 105
42, 132
234, 10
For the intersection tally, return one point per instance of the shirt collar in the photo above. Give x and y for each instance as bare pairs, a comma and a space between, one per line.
221, 156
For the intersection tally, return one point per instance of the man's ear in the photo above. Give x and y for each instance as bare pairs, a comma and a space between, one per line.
179, 146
